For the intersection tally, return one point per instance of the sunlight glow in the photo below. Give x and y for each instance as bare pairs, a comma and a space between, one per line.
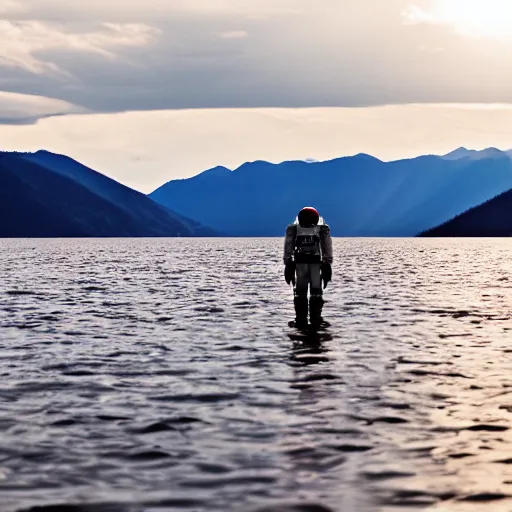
475, 18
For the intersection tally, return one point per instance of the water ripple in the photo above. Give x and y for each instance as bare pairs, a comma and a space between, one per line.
151, 374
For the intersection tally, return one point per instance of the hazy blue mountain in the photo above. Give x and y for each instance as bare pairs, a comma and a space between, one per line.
475, 154
490, 219
358, 196
48, 195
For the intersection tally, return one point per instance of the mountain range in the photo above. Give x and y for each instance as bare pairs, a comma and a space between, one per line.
47, 195
462, 193
490, 219
357, 196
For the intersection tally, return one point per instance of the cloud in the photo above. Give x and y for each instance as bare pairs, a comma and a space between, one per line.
251, 8
471, 18
137, 10
27, 109
234, 34
20, 42
11, 6
196, 54
414, 15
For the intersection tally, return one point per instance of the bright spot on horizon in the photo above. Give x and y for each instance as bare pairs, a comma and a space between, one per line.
475, 18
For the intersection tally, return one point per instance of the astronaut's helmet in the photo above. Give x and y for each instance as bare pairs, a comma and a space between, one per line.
308, 217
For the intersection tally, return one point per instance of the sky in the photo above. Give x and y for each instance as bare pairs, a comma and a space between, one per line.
163, 89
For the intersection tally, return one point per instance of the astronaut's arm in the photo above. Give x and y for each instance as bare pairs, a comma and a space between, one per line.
326, 241
289, 244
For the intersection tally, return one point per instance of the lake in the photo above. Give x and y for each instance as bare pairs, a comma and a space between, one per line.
160, 374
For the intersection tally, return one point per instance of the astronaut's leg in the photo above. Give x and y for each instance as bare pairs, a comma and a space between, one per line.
316, 300
300, 300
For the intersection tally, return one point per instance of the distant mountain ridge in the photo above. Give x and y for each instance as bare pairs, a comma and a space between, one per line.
462, 193
47, 195
358, 196
474, 154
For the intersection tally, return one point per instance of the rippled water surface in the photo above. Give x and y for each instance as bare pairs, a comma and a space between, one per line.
152, 375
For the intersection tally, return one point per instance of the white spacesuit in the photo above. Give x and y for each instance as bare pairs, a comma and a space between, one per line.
308, 257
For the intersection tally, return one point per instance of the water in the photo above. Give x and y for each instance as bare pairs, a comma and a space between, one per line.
152, 375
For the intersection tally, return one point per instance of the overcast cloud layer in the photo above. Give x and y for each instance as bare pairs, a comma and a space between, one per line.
175, 54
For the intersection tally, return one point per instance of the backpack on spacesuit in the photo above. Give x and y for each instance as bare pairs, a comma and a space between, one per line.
307, 245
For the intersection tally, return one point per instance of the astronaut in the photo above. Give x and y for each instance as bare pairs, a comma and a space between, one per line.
308, 257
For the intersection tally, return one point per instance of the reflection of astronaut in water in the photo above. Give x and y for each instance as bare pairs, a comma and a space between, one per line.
307, 258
